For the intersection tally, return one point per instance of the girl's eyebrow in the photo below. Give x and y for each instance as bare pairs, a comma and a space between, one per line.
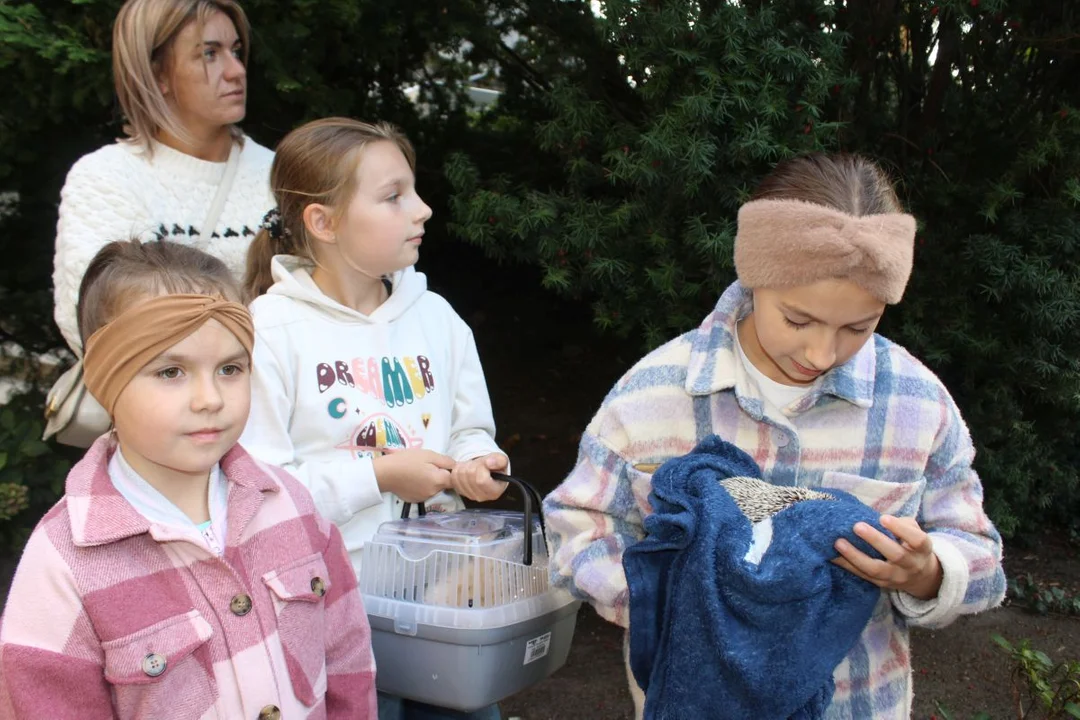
392, 182
796, 311
235, 358
169, 358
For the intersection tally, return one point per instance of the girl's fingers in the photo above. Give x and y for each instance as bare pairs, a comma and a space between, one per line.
891, 550
439, 460
867, 566
496, 461
843, 563
905, 557
909, 532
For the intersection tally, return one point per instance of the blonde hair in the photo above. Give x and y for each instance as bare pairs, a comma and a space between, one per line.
849, 183
125, 271
143, 38
315, 163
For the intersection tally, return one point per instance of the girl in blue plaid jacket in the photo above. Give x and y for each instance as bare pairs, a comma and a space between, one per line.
788, 368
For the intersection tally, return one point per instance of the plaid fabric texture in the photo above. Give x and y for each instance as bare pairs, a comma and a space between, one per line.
881, 426
110, 615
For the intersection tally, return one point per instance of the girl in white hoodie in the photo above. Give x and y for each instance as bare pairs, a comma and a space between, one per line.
365, 385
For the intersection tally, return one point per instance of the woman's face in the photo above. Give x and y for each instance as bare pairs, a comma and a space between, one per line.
797, 334
204, 80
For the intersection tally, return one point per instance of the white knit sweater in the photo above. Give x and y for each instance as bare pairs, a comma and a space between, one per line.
119, 192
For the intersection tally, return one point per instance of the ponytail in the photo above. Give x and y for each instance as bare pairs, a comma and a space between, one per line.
257, 275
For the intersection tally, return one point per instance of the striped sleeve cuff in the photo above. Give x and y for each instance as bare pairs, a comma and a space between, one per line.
943, 609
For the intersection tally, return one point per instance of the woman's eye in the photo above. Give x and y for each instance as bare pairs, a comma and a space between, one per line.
230, 370
170, 373
238, 53
394, 198
858, 331
796, 325
209, 53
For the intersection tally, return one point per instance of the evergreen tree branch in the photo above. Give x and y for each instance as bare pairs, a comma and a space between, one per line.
941, 75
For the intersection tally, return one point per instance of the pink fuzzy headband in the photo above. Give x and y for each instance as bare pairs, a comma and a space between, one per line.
786, 243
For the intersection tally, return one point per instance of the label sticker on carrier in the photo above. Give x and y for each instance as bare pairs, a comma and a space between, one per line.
537, 647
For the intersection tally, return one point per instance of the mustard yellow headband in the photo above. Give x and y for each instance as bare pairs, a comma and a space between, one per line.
123, 347
787, 243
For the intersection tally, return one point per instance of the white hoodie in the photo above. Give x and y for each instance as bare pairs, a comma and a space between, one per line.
331, 386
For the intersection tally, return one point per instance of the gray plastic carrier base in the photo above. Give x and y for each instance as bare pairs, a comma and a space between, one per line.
470, 669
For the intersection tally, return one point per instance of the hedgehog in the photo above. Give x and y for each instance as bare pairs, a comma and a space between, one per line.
758, 499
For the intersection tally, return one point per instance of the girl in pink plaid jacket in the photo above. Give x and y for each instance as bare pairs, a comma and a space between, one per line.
179, 577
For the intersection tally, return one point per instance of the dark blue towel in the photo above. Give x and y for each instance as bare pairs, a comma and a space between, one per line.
714, 636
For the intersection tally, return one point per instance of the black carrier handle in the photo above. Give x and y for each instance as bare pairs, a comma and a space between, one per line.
533, 503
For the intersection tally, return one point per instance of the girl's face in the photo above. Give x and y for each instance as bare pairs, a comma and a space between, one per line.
204, 80
187, 407
381, 229
797, 334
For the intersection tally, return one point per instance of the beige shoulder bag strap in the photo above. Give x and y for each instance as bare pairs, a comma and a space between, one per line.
218, 204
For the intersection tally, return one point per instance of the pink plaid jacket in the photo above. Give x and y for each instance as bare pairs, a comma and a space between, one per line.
111, 616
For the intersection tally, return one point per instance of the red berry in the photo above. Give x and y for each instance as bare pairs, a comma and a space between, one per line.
625, 149
491, 219
974, 3
835, 89
807, 128
1063, 114
935, 10
799, 107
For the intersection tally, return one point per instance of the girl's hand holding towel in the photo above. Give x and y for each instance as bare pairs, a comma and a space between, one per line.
909, 565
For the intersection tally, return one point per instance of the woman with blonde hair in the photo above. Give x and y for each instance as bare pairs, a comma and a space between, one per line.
184, 172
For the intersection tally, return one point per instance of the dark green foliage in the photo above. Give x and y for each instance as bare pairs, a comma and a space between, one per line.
1025, 592
1044, 689
642, 141
620, 151
32, 472
653, 124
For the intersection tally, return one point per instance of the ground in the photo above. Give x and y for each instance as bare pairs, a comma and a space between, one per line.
548, 373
